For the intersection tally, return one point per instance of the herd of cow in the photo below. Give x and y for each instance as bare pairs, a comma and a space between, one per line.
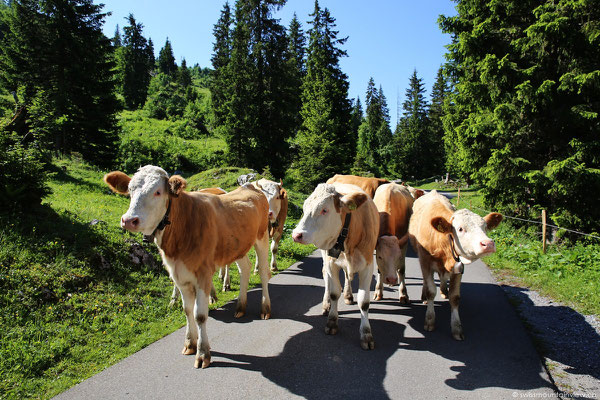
349, 218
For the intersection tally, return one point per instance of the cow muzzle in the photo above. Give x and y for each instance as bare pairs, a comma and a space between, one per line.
130, 223
487, 246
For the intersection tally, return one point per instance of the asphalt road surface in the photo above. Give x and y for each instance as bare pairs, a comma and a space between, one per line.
290, 356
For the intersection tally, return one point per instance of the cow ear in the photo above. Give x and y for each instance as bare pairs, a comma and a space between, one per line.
353, 200
441, 224
283, 194
492, 220
118, 182
176, 185
419, 193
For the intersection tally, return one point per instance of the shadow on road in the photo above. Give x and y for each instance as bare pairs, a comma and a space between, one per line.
312, 363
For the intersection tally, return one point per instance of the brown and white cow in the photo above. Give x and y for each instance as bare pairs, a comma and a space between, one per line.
394, 203
195, 233
369, 186
445, 240
326, 211
278, 207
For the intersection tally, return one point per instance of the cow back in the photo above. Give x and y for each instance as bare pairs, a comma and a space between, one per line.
394, 204
369, 185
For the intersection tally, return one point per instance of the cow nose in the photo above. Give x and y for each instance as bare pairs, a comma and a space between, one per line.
270, 214
488, 246
297, 237
391, 280
130, 223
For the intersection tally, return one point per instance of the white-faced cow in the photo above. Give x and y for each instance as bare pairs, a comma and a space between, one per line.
342, 221
394, 203
195, 233
369, 186
445, 240
278, 206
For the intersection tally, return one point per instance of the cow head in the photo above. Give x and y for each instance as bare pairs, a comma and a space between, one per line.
275, 193
469, 232
390, 255
323, 216
149, 190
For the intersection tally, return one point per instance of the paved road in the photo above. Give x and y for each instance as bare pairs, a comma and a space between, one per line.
290, 356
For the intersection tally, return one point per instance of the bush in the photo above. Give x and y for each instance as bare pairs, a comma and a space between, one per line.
22, 172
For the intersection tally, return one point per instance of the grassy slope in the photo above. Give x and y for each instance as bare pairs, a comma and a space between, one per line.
570, 274
71, 300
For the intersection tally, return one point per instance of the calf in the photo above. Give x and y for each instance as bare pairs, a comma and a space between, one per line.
196, 232
342, 221
394, 203
278, 206
445, 240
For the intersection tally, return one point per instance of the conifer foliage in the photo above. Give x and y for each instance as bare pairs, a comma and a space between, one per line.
324, 142
526, 110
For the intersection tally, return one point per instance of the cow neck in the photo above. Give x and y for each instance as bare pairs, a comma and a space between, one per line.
339, 244
459, 267
161, 225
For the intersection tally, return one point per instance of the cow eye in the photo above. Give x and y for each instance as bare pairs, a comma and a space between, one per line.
324, 211
461, 229
157, 193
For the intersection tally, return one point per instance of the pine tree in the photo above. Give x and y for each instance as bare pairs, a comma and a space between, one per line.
166, 60
356, 119
524, 114
116, 41
60, 58
184, 77
134, 65
324, 141
220, 88
439, 93
297, 70
150, 54
412, 139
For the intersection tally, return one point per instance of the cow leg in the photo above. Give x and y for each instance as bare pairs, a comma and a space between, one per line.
457, 330
274, 249
443, 285
201, 315
364, 288
348, 298
213, 294
174, 296
188, 298
226, 278
244, 267
428, 289
326, 298
378, 287
402, 292
335, 289
262, 257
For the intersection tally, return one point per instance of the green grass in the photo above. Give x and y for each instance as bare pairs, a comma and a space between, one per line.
71, 300
566, 272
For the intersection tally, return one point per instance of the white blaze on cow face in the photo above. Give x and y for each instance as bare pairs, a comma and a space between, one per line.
149, 195
272, 191
469, 232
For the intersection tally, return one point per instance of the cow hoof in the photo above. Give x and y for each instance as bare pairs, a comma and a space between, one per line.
443, 295
367, 342
458, 336
188, 350
213, 299
429, 327
349, 300
377, 296
226, 288
239, 314
265, 316
202, 361
332, 327
274, 269
403, 299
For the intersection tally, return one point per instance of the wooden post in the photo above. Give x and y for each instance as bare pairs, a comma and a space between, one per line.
544, 231
458, 200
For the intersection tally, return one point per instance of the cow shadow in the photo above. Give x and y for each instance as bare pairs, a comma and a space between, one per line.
561, 333
311, 362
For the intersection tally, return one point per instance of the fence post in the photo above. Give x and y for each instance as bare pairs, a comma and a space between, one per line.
458, 200
544, 231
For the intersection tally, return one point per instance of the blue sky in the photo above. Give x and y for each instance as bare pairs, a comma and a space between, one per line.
387, 39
